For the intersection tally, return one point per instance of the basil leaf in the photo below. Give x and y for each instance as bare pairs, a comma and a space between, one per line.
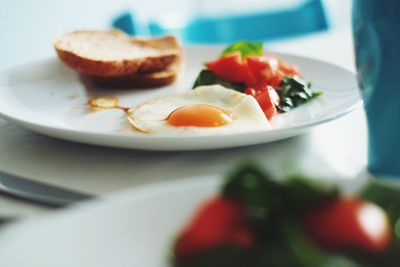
245, 49
301, 193
207, 77
294, 92
268, 202
256, 188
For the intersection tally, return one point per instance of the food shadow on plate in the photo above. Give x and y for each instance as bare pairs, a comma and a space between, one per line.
122, 88
96, 86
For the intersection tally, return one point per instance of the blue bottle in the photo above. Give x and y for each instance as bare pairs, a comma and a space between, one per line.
376, 30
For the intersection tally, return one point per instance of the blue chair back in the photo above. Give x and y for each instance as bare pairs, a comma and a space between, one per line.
306, 18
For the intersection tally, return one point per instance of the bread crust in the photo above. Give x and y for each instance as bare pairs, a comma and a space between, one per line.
143, 79
168, 47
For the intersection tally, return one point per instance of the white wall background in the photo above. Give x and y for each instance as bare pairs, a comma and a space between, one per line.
27, 27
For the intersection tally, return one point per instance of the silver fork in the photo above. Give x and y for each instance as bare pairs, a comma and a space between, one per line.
36, 193
6, 220
39, 193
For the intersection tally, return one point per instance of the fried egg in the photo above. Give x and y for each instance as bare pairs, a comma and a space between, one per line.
206, 110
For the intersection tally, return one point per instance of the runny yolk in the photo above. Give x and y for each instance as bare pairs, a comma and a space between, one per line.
199, 115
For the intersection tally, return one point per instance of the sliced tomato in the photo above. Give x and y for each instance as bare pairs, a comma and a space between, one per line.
349, 223
276, 79
266, 97
265, 72
281, 66
250, 91
231, 68
260, 69
220, 221
280, 69
252, 70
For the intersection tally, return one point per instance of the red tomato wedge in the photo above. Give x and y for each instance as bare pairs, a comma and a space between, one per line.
252, 70
267, 98
260, 74
260, 69
220, 221
231, 68
349, 223
263, 72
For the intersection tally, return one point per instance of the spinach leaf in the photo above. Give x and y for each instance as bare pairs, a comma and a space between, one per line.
302, 193
245, 49
207, 77
255, 188
267, 202
294, 92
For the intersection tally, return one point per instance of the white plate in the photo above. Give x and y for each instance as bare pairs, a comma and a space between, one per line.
131, 228
49, 98
135, 228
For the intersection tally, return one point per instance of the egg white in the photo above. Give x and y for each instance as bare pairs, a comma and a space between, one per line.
247, 116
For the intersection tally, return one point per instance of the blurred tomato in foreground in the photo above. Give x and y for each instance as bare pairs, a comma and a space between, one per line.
220, 221
349, 223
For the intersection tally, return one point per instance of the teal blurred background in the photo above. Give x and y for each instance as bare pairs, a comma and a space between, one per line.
28, 27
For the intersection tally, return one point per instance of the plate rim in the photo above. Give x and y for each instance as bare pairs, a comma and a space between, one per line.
60, 131
127, 196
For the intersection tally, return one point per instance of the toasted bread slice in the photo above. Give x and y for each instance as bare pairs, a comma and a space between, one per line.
142, 79
113, 53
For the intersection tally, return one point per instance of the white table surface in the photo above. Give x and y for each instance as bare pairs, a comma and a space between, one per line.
333, 150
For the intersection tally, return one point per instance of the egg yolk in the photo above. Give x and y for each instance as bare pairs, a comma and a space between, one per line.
199, 115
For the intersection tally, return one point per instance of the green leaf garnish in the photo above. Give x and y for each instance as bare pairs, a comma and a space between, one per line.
254, 187
207, 77
245, 49
294, 92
